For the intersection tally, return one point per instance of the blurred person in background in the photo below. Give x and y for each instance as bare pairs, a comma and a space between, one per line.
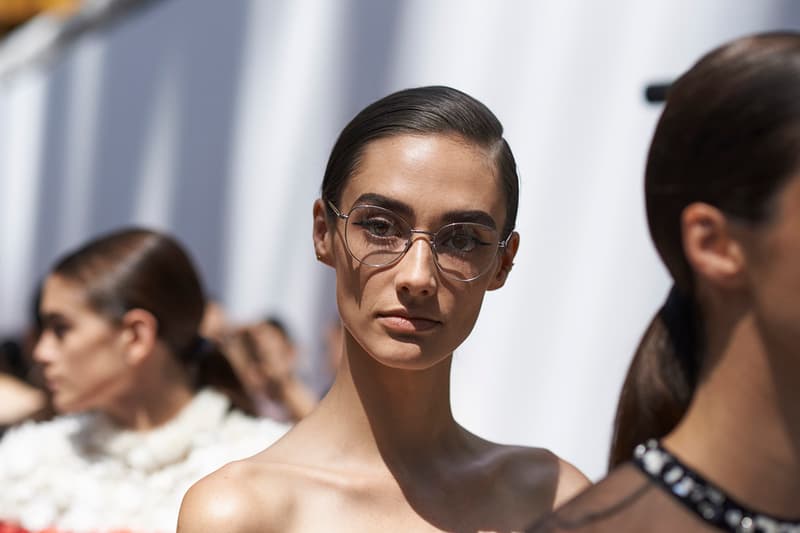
417, 218
146, 406
707, 434
20, 401
265, 356
22, 391
215, 325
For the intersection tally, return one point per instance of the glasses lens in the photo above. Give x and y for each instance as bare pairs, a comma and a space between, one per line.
376, 236
465, 250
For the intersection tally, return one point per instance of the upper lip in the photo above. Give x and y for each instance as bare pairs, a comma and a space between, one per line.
403, 313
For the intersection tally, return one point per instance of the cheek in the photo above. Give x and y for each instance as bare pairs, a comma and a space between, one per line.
355, 294
776, 288
93, 356
466, 306
93, 382
353, 280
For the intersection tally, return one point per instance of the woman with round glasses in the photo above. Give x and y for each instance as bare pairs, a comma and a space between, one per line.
707, 434
416, 217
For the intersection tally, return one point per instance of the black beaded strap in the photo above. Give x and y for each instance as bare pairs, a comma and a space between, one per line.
703, 498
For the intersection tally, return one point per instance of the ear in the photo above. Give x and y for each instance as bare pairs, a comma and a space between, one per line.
507, 255
140, 334
710, 247
322, 242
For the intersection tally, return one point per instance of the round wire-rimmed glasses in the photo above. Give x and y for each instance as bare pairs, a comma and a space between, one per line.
379, 237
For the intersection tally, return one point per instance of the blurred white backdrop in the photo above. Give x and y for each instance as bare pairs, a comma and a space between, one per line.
214, 120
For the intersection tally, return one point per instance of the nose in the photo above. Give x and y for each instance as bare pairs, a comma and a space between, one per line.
43, 350
416, 271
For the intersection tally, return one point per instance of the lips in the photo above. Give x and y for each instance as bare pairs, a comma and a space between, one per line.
51, 381
404, 322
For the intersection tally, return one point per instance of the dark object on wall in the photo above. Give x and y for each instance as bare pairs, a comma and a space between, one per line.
656, 93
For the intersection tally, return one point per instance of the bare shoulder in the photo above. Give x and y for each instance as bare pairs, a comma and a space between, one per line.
545, 479
240, 497
571, 482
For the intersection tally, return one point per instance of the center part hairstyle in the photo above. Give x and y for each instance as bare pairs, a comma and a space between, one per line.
424, 111
144, 269
729, 136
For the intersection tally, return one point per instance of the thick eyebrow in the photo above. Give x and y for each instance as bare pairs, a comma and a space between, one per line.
403, 209
480, 217
49, 317
379, 200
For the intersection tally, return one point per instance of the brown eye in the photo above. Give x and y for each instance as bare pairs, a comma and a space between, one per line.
57, 327
460, 239
378, 227
377, 223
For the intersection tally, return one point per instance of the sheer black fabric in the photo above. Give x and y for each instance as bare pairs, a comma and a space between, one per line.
627, 501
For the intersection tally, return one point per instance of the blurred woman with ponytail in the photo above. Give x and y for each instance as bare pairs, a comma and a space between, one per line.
707, 434
147, 406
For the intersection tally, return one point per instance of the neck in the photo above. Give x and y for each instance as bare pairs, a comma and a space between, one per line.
742, 429
390, 415
155, 397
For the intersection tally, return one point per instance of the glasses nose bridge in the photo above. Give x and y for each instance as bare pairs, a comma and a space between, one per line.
431, 240
431, 234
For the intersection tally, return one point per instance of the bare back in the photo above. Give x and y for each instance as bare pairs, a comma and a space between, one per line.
625, 501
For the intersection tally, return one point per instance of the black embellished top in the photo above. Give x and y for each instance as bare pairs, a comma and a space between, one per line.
656, 493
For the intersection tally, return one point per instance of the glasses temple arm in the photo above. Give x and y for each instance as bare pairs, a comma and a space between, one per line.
336, 212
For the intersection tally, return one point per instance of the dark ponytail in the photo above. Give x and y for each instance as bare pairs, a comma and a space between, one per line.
729, 137
660, 380
208, 366
144, 269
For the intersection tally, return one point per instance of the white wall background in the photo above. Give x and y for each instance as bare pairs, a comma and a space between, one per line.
214, 120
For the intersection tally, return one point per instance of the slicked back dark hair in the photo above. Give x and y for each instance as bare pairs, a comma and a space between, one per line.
424, 111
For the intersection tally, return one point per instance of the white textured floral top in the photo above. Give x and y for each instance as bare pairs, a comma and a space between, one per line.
80, 473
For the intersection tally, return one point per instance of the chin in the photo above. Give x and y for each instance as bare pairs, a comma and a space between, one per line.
415, 365
408, 356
